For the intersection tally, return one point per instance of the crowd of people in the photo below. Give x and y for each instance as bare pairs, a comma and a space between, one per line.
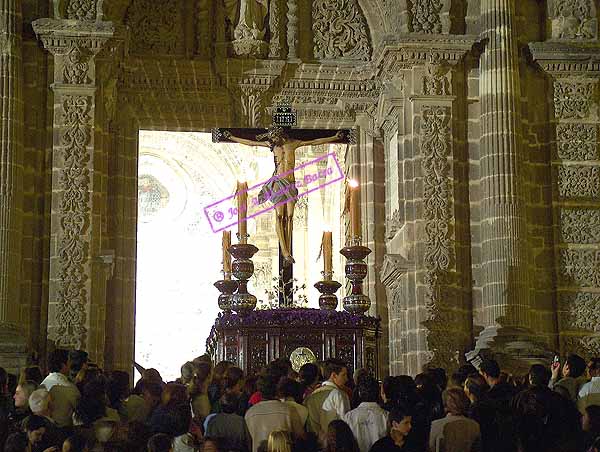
216, 408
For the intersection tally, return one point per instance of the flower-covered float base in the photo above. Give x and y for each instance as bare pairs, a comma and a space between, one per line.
253, 340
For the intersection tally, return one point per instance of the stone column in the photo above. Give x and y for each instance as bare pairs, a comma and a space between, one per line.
11, 180
74, 239
505, 306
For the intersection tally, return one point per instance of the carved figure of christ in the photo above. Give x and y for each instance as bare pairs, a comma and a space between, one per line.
281, 188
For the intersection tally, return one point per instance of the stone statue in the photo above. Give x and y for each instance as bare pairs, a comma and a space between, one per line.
279, 189
250, 27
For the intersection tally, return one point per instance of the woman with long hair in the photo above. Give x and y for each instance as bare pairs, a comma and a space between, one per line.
340, 438
279, 441
198, 390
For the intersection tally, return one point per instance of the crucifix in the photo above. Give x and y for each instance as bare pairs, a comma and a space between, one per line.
281, 189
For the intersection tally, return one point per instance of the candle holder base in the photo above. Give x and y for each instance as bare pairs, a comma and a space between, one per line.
328, 301
227, 287
242, 267
356, 271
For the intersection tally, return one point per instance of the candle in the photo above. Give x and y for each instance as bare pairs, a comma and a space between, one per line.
242, 198
226, 256
327, 252
355, 227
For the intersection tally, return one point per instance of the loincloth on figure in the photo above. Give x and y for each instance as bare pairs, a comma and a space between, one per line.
277, 191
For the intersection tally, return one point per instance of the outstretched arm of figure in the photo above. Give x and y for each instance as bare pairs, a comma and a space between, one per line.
337, 136
227, 134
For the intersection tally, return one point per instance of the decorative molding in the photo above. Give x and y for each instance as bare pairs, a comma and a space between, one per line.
252, 104
155, 31
577, 141
579, 182
573, 99
573, 19
582, 310
426, 16
340, 30
393, 267
580, 267
435, 151
74, 213
568, 59
580, 226
585, 346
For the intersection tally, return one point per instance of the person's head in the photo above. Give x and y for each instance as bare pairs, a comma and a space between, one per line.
220, 369
267, 385
288, 388
39, 402
590, 421
539, 375
201, 378
17, 442
3, 381
160, 443
368, 389
593, 367
211, 444
359, 374
87, 375
336, 371
475, 387
151, 392
174, 394
22, 393
574, 366
400, 420
187, 372
117, 387
35, 427
279, 441
230, 402
58, 361
75, 443
439, 377
233, 380
490, 371
309, 374
78, 359
340, 437
152, 375
31, 373
455, 401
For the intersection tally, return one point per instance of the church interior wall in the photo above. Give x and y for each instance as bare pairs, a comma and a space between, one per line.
409, 85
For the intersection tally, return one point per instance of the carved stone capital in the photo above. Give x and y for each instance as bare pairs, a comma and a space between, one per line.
393, 267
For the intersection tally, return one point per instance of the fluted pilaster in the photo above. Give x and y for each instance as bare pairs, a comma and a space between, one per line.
505, 298
11, 159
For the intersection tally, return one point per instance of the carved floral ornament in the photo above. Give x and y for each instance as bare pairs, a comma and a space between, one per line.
340, 30
426, 16
573, 99
574, 19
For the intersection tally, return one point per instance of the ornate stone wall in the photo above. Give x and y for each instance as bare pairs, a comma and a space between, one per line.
470, 232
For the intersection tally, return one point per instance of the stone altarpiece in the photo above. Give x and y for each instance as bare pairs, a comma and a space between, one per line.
483, 237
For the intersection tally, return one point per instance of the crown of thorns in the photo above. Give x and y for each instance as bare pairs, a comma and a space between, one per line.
271, 133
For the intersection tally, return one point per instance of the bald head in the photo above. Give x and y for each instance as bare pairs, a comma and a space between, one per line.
39, 402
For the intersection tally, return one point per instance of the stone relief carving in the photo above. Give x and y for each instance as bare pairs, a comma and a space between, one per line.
292, 28
435, 150
579, 182
252, 104
580, 267
583, 310
74, 214
436, 81
250, 31
573, 98
301, 212
581, 226
76, 67
155, 31
393, 224
425, 16
82, 9
340, 30
586, 346
275, 24
577, 141
574, 20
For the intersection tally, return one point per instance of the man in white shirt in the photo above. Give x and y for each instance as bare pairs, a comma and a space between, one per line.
368, 421
271, 415
589, 394
64, 394
328, 402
